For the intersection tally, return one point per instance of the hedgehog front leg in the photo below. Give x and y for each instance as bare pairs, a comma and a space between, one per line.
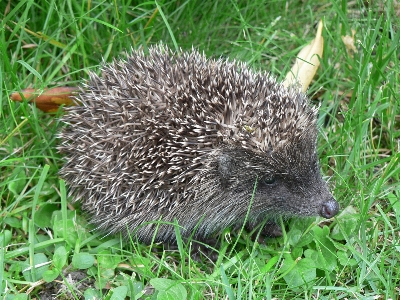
270, 229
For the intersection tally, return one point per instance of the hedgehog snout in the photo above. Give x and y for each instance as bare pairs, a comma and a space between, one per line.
329, 208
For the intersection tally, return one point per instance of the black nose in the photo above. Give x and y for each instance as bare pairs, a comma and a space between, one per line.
330, 208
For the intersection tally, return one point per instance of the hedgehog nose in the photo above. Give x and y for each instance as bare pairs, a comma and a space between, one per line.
329, 209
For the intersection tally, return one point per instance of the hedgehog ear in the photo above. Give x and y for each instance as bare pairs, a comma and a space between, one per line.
226, 165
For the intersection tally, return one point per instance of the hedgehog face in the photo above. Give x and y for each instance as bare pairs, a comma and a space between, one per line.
283, 182
289, 194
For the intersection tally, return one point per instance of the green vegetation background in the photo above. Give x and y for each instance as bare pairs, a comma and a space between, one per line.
356, 255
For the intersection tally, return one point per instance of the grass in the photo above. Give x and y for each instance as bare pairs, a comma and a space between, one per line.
356, 256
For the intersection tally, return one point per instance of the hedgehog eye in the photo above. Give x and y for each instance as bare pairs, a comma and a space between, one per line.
268, 180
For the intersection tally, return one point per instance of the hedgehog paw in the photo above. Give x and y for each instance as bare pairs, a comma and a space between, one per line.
272, 230
204, 250
199, 250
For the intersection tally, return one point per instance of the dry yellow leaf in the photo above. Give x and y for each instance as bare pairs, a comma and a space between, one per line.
307, 62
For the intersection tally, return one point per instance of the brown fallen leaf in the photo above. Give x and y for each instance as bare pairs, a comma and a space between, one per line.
48, 101
349, 42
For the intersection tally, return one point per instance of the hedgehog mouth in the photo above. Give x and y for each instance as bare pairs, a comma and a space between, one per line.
328, 211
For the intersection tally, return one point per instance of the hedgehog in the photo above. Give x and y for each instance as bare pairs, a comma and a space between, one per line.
173, 137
